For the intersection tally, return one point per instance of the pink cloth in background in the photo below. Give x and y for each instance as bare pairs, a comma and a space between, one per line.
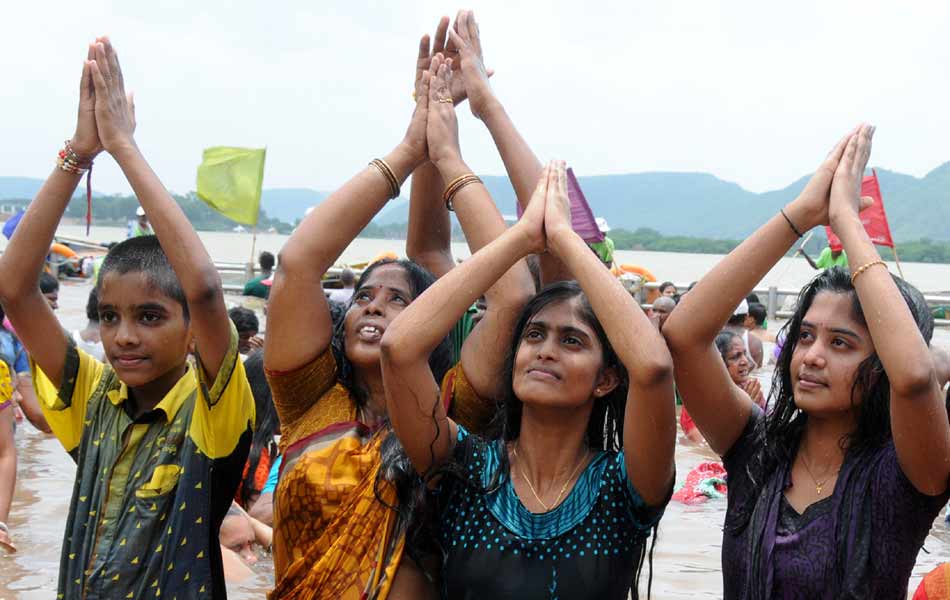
582, 217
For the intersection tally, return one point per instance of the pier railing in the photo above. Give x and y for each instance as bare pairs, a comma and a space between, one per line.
774, 297
234, 275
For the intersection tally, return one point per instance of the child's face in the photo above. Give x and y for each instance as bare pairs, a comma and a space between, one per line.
143, 331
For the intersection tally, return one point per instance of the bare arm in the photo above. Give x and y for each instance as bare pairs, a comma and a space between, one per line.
297, 302
649, 435
523, 167
481, 223
918, 414
429, 238
412, 394
195, 270
719, 407
25, 255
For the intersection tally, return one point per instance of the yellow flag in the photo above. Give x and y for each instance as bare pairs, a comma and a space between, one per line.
230, 180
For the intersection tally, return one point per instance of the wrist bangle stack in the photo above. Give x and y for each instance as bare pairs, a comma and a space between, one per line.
790, 224
69, 161
457, 184
387, 172
864, 268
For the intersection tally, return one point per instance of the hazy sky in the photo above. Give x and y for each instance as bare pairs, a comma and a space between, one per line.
752, 92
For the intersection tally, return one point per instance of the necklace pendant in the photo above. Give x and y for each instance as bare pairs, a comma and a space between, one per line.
818, 488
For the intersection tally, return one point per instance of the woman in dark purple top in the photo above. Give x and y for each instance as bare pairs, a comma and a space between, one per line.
832, 492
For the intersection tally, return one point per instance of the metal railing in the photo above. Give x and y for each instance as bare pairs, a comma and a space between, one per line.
773, 305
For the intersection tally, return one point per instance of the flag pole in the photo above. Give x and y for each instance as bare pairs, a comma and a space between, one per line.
897, 260
253, 242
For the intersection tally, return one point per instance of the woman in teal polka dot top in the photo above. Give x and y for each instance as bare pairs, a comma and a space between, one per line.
559, 501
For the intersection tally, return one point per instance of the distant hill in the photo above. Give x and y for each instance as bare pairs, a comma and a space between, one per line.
689, 204
290, 204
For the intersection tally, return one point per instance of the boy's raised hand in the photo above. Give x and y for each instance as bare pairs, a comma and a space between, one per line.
85, 141
114, 109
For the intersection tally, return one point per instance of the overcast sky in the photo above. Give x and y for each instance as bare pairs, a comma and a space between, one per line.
752, 92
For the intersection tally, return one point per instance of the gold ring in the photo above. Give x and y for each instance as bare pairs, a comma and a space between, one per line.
413, 94
446, 100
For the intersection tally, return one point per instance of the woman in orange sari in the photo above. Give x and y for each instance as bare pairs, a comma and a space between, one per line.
344, 523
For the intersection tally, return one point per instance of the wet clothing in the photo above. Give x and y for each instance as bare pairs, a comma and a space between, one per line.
335, 535
586, 547
151, 491
860, 542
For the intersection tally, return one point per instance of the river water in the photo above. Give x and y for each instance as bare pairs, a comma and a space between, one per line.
687, 559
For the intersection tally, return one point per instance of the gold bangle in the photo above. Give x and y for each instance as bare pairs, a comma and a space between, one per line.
457, 184
387, 172
454, 187
864, 268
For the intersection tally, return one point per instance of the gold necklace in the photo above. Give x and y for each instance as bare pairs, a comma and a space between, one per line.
818, 484
547, 508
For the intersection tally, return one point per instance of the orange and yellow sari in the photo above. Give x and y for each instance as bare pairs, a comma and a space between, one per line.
333, 537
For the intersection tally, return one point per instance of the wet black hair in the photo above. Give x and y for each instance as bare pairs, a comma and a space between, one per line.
413, 506
723, 340
144, 254
753, 298
48, 283
244, 319
266, 427
605, 427
266, 260
778, 434
758, 312
92, 306
665, 285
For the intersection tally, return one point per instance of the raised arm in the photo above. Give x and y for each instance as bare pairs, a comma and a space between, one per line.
193, 266
481, 223
523, 167
25, 255
918, 414
412, 394
649, 431
297, 302
429, 238
719, 407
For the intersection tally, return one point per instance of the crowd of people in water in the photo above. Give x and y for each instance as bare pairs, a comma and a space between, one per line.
503, 427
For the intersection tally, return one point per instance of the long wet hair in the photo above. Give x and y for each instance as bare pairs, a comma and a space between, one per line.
779, 433
605, 425
412, 507
266, 427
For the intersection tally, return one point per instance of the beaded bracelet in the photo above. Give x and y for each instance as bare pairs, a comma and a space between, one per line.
387, 172
864, 268
457, 184
69, 161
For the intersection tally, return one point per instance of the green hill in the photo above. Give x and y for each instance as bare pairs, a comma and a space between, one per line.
680, 204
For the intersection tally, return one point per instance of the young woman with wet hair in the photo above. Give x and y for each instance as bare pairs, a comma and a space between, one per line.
833, 490
559, 498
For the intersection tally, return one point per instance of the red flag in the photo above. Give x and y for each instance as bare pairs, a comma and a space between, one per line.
873, 218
